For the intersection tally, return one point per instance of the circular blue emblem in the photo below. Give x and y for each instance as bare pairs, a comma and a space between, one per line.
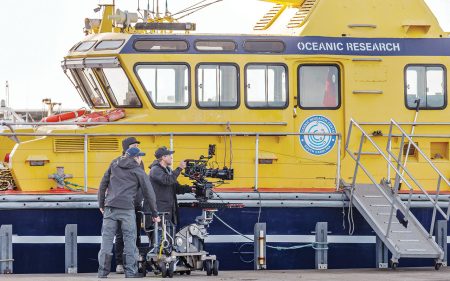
317, 144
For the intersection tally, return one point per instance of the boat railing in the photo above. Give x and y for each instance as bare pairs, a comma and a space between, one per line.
172, 135
398, 165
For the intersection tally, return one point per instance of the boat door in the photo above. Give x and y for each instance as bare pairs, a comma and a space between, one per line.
319, 110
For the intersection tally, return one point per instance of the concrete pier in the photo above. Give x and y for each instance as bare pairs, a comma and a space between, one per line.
406, 274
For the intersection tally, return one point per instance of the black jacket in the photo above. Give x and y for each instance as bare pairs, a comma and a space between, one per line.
166, 186
122, 182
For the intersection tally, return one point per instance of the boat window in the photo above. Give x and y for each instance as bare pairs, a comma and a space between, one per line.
74, 46
427, 83
215, 45
84, 46
269, 46
160, 45
109, 45
119, 88
167, 85
75, 80
217, 86
93, 90
266, 86
319, 86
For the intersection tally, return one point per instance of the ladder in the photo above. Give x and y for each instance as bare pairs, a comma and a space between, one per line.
270, 17
380, 204
300, 17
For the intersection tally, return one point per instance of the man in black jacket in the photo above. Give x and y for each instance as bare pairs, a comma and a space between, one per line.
166, 186
116, 197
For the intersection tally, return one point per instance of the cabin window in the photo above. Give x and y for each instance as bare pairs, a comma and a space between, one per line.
427, 83
109, 45
319, 86
266, 86
167, 85
260, 46
93, 90
217, 86
84, 46
119, 88
160, 45
215, 46
77, 84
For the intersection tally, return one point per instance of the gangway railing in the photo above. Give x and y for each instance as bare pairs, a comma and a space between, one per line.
399, 168
257, 135
402, 165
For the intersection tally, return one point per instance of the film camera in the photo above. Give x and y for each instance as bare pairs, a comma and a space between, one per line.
198, 171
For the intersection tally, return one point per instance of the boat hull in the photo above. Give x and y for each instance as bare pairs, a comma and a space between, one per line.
38, 237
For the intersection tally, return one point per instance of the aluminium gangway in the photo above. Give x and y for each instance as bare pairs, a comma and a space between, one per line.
379, 202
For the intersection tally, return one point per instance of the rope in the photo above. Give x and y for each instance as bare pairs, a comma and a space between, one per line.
67, 184
351, 222
314, 245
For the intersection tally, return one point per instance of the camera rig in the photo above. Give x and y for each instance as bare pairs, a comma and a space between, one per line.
199, 170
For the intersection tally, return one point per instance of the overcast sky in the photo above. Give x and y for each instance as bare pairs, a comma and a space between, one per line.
37, 35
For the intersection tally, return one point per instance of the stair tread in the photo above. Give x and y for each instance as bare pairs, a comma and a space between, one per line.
412, 241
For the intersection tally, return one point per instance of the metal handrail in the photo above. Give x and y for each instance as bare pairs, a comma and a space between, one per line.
257, 135
420, 151
403, 166
364, 136
406, 123
81, 124
200, 134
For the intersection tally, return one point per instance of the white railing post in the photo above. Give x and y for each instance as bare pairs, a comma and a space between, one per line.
338, 163
85, 163
256, 161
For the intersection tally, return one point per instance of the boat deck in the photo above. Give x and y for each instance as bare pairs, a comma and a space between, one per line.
403, 274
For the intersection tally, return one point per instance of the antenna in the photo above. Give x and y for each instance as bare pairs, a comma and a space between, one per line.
157, 8
7, 93
166, 13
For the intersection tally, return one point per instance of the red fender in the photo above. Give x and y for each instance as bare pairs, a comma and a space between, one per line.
115, 114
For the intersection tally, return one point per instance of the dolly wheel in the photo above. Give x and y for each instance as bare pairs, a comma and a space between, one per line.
437, 265
142, 267
163, 268
394, 265
171, 269
215, 269
188, 272
208, 267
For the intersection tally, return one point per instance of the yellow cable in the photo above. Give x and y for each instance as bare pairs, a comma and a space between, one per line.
161, 247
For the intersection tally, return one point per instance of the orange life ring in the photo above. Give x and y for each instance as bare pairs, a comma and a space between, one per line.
64, 116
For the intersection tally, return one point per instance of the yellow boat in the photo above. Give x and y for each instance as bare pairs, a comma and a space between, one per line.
351, 98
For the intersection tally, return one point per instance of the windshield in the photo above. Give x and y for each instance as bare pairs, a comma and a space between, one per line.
118, 87
94, 92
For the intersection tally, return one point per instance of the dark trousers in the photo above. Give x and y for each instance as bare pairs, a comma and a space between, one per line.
112, 218
119, 239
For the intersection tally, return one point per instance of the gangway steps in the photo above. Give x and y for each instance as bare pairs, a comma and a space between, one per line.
412, 241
